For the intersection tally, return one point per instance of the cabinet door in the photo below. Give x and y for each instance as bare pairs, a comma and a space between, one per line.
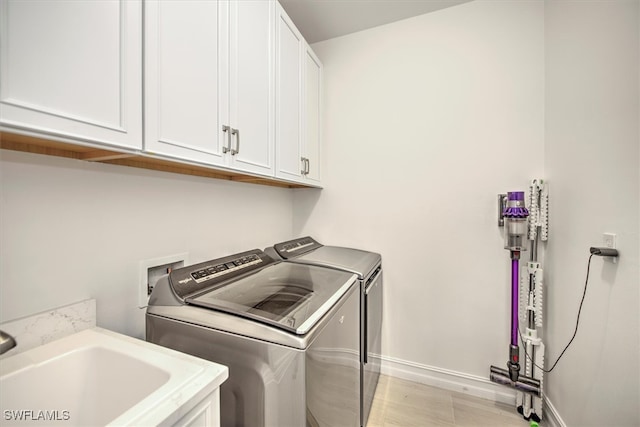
251, 77
312, 102
205, 414
72, 69
288, 98
185, 79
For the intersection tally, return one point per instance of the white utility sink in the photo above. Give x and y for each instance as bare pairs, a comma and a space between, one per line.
97, 377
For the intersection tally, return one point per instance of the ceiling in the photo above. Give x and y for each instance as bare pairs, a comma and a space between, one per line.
320, 20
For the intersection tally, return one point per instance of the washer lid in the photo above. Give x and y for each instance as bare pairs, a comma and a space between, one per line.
346, 259
290, 296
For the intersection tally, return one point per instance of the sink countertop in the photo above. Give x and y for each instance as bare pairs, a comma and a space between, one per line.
50, 325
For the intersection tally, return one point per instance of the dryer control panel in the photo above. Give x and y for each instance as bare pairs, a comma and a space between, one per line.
296, 247
194, 279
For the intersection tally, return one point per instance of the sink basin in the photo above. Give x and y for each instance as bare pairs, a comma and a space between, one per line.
97, 377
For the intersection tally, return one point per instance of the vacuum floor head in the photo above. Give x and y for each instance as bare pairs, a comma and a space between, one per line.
524, 384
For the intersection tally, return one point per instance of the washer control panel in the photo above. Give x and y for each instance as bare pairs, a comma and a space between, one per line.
293, 248
212, 272
194, 279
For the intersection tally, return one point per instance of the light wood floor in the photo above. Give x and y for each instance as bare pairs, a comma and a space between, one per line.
404, 403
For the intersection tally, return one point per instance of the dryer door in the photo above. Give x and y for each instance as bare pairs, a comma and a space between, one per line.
372, 346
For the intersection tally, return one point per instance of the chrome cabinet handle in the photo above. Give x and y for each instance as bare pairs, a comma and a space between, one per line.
305, 166
235, 132
226, 129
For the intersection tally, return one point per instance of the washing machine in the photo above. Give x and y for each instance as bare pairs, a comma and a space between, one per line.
368, 268
289, 334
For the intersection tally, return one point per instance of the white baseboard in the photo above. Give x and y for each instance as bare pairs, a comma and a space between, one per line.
552, 417
461, 382
448, 380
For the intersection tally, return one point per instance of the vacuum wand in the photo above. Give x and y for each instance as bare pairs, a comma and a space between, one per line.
514, 351
515, 231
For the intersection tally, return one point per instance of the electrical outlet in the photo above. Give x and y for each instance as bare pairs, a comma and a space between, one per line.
153, 269
609, 240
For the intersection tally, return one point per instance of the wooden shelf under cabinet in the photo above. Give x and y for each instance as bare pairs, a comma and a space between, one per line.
30, 144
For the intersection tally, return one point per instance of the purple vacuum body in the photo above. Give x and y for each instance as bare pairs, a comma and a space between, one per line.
515, 223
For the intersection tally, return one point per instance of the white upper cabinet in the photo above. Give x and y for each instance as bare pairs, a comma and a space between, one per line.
312, 124
298, 89
289, 43
209, 91
252, 85
225, 83
184, 79
72, 70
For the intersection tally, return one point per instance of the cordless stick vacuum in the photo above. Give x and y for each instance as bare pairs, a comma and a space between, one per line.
515, 231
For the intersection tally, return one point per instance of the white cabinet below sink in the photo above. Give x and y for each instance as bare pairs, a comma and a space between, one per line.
206, 413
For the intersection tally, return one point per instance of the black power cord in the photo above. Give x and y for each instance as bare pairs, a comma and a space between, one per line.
584, 293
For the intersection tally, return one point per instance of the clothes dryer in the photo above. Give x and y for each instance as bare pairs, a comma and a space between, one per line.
368, 268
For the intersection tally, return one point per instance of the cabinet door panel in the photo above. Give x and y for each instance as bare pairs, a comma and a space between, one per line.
288, 98
72, 69
206, 413
183, 79
252, 83
313, 79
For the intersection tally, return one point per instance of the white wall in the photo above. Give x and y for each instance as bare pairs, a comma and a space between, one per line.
71, 230
425, 121
592, 163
